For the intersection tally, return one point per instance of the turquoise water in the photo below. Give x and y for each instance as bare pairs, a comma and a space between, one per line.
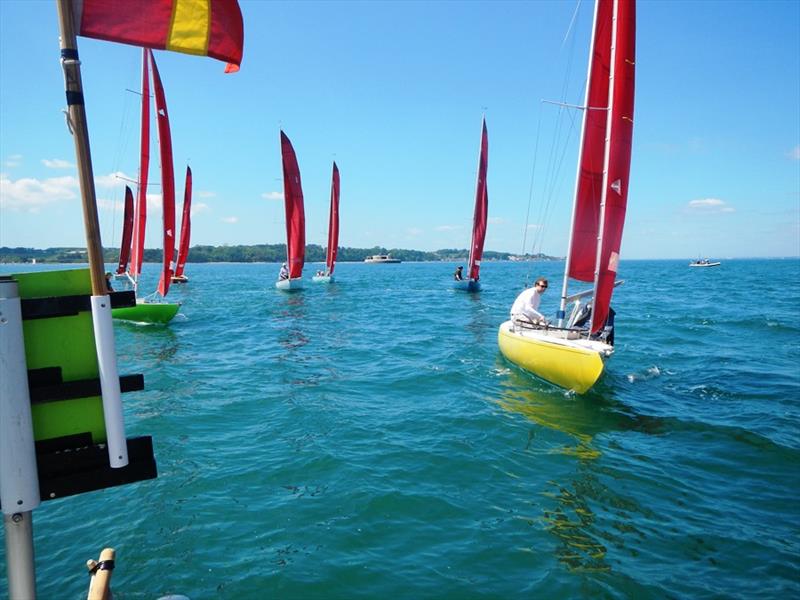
366, 439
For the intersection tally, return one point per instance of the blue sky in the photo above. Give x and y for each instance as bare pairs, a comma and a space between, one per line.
394, 92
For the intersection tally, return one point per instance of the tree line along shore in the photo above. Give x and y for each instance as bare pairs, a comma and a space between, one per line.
258, 253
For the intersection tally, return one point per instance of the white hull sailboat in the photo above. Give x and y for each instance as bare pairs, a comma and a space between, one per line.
326, 276
471, 283
572, 354
295, 219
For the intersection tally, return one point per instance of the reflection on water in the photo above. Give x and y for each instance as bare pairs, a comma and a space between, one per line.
582, 511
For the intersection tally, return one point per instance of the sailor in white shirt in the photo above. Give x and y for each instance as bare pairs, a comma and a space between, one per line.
526, 307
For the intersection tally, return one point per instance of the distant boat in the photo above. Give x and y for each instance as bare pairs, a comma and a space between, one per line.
186, 230
572, 354
381, 258
471, 283
703, 262
153, 308
295, 218
333, 231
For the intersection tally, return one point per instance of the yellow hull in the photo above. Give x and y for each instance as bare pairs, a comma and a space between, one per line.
570, 364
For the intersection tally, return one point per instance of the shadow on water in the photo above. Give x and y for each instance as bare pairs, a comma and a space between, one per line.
582, 511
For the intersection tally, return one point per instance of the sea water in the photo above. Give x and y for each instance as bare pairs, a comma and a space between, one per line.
366, 439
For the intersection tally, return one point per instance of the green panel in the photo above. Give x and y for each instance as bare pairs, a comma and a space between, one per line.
66, 342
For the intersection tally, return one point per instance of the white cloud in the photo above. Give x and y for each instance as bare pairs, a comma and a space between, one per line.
204, 194
30, 195
230, 220
709, 205
496, 220
199, 208
272, 196
448, 227
57, 163
794, 153
110, 205
117, 179
414, 231
14, 160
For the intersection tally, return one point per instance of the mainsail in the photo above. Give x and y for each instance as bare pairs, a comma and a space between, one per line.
481, 208
127, 231
186, 225
605, 156
167, 179
295, 216
140, 214
333, 223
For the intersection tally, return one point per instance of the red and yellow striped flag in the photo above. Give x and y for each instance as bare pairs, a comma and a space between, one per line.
203, 27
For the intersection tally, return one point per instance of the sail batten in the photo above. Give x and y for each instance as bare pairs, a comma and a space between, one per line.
167, 179
295, 215
333, 223
127, 232
481, 208
186, 225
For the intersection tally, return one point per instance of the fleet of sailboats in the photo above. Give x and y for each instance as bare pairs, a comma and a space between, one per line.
333, 232
471, 281
153, 308
291, 278
569, 355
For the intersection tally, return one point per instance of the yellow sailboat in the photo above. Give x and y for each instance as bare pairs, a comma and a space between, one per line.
572, 353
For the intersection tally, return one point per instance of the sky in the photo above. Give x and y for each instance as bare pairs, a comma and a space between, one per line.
394, 92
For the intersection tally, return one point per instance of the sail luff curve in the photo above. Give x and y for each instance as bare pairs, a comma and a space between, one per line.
293, 204
167, 179
481, 208
333, 223
127, 231
186, 224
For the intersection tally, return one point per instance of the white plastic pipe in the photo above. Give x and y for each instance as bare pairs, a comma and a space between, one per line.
109, 381
19, 480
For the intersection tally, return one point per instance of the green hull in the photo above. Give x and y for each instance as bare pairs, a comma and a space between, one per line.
147, 312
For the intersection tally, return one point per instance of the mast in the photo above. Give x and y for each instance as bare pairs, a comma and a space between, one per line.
481, 207
140, 215
565, 284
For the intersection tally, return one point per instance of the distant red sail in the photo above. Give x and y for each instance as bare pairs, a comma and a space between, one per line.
333, 222
167, 179
186, 225
619, 158
127, 232
481, 208
295, 215
140, 214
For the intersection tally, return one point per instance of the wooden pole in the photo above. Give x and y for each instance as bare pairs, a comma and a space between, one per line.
80, 131
100, 583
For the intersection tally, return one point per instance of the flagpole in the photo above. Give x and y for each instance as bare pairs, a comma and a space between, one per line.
100, 300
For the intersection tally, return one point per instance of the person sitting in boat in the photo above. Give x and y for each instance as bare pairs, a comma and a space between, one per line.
459, 275
109, 287
284, 274
525, 309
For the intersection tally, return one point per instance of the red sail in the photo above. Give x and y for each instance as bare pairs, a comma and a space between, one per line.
619, 158
186, 225
140, 214
127, 230
333, 222
295, 216
167, 179
481, 208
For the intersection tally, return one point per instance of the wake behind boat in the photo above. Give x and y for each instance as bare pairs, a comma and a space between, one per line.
573, 354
